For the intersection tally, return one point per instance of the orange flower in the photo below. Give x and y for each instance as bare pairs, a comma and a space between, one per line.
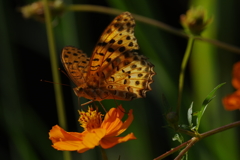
236, 75
232, 101
96, 132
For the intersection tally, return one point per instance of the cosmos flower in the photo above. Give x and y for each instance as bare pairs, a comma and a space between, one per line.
97, 131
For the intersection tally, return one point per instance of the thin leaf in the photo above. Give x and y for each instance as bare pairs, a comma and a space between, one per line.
189, 115
205, 103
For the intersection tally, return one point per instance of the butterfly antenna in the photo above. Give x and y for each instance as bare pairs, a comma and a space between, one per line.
42, 80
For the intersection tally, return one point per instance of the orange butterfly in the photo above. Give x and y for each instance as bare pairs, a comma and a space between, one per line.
115, 70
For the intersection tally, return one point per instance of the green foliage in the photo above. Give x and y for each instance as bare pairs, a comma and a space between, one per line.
205, 103
189, 116
28, 109
178, 137
199, 114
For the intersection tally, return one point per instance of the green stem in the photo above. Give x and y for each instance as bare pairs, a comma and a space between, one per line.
182, 72
55, 72
104, 155
163, 26
187, 132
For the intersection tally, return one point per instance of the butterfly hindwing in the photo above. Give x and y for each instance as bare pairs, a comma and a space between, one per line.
76, 64
130, 77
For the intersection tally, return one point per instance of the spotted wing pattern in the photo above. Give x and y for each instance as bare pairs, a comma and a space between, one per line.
117, 38
76, 63
115, 70
128, 76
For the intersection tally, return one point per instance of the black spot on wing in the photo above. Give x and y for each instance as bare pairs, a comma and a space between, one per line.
112, 41
122, 49
120, 41
111, 50
95, 59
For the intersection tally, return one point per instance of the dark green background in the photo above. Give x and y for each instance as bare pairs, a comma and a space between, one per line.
28, 109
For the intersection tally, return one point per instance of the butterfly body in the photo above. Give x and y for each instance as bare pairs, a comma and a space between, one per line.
115, 70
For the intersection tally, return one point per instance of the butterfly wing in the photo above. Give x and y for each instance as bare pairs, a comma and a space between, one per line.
75, 63
115, 67
117, 38
130, 77
115, 70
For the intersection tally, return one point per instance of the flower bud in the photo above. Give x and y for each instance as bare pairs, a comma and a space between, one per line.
36, 10
195, 20
172, 118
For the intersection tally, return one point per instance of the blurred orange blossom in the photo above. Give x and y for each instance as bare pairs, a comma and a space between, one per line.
232, 101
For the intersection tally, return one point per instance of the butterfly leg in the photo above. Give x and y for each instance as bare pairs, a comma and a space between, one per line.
87, 103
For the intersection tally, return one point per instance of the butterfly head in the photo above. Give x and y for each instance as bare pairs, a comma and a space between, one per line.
86, 92
79, 91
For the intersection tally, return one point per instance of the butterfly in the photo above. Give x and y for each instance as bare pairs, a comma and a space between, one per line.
115, 70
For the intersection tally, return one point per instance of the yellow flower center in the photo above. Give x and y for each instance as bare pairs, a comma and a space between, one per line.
90, 119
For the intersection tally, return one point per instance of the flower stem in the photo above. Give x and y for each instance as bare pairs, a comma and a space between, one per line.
55, 72
104, 155
182, 72
187, 132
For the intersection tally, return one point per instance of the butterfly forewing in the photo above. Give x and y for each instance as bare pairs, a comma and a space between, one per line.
76, 63
117, 38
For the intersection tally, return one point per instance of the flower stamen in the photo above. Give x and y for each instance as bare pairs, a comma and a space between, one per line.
91, 119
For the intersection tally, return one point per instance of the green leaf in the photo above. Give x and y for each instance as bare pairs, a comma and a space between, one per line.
189, 115
178, 137
205, 103
184, 126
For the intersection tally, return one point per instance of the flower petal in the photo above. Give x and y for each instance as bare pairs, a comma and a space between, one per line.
123, 126
57, 133
112, 121
109, 142
114, 113
126, 123
232, 101
62, 140
92, 139
74, 141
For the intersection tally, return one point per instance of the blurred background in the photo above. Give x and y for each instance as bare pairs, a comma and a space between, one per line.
28, 107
